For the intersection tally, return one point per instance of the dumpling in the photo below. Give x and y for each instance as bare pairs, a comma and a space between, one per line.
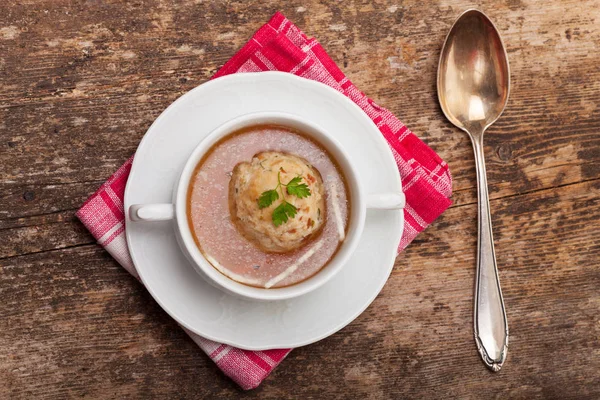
250, 179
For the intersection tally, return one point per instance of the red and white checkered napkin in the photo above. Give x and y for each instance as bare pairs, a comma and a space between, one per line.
281, 46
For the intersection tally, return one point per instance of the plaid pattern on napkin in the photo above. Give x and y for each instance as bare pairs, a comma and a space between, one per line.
280, 46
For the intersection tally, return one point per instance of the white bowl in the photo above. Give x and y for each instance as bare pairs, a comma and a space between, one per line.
177, 211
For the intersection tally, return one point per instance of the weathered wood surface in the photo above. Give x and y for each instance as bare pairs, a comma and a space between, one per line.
81, 81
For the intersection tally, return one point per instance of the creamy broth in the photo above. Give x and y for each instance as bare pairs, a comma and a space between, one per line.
215, 233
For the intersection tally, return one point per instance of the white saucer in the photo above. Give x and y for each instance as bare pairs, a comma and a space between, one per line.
174, 283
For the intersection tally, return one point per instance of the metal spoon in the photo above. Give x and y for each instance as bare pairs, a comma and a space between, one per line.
473, 84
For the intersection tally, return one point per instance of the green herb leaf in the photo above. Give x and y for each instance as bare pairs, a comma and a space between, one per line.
283, 211
267, 198
295, 188
295, 181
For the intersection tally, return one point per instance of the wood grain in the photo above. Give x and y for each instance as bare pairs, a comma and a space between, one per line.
80, 82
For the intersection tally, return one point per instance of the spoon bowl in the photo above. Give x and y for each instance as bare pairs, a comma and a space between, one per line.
473, 73
473, 87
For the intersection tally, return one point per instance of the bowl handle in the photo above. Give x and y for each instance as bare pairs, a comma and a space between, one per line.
151, 212
386, 201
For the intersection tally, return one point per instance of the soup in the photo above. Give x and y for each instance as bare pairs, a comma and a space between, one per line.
268, 206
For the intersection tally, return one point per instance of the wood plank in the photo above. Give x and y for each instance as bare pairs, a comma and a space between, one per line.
43, 233
19, 202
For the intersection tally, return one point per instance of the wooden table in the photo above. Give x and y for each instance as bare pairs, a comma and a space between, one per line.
81, 81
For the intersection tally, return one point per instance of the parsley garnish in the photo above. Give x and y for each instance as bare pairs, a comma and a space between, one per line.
296, 189
267, 198
284, 211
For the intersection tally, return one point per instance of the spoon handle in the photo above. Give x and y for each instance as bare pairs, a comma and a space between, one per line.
490, 325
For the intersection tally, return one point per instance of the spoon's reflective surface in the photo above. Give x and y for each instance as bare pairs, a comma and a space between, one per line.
473, 86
